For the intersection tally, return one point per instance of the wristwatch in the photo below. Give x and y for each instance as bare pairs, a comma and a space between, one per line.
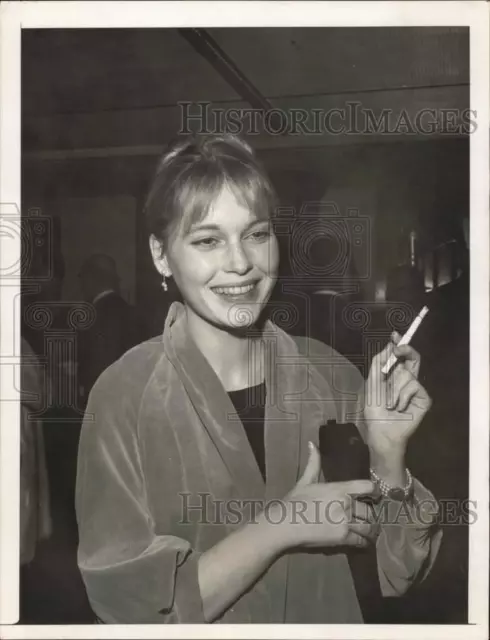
399, 494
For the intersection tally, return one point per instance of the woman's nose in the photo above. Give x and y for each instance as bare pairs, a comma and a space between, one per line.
237, 259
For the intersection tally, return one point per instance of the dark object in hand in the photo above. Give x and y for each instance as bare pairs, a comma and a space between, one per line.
343, 452
345, 457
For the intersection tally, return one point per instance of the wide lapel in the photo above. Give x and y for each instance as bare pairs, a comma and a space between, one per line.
299, 401
282, 415
213, 406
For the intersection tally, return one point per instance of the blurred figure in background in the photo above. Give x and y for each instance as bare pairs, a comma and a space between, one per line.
439, 451
44, 289
35, 512
35, 516
445, 437
115, 328
50, 432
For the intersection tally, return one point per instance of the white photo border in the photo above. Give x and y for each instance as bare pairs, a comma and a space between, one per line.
14, 16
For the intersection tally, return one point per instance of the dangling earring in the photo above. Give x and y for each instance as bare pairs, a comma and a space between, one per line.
164, 284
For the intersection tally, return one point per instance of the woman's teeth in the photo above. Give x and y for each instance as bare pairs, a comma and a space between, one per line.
234, 291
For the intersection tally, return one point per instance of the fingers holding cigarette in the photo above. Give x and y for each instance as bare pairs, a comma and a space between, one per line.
400, 379
409, 357
413, 393
394, 396
404, 341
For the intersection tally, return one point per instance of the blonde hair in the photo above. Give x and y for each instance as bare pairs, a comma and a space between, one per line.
192, 173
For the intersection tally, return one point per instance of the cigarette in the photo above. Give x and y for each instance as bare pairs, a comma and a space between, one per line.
406, 338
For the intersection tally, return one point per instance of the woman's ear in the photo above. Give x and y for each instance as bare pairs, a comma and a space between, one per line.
159, 256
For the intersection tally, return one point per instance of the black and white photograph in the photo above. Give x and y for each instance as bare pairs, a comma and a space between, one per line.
244, 322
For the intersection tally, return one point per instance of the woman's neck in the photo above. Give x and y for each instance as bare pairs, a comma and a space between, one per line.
237, 359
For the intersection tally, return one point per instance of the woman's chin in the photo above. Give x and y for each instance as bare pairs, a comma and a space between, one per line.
239, 317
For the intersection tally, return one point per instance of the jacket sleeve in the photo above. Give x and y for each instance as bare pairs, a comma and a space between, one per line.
408, 538
131, 574
408, 541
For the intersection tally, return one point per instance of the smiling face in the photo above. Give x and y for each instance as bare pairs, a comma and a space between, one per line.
225, 266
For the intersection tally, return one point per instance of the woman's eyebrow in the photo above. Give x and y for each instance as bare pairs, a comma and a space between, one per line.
259, 221
204, 227
215, 227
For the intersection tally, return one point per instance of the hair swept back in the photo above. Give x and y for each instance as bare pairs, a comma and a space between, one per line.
192, 173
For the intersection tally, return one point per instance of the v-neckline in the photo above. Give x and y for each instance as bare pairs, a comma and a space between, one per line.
213, 406
282, 415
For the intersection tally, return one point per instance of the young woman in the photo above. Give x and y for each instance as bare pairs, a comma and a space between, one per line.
199, 492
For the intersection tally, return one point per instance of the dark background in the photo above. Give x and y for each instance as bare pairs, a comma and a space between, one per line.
98, 107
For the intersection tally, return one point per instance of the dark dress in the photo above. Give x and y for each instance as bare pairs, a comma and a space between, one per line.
250, 407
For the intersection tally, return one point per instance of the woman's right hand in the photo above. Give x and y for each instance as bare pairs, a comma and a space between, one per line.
312, 515
326, 514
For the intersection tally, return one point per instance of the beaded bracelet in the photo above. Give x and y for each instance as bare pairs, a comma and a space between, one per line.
387, 491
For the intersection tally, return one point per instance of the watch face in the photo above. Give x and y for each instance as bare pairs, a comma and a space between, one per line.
397, 494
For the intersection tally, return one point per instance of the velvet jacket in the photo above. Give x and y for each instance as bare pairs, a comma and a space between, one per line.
161, 446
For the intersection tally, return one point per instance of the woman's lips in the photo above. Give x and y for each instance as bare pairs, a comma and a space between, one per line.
236, 292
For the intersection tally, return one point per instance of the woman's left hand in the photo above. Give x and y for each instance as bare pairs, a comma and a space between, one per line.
396, 402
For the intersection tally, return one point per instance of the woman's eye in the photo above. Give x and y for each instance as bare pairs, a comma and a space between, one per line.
260, 236
205, 243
